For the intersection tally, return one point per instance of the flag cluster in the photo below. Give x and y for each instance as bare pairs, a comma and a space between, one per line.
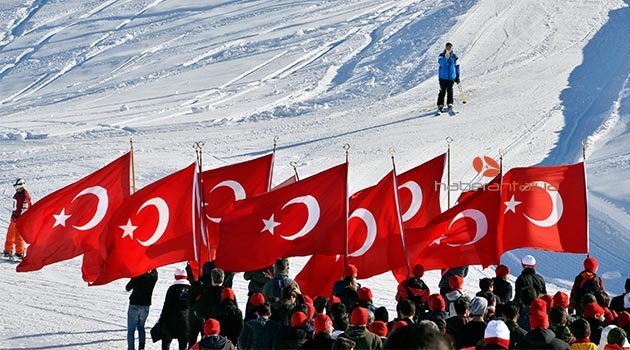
232, 215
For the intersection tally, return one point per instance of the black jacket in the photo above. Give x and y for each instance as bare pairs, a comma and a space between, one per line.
597, 327
462, 271
541, 338
231, 320
617, 303
470, 334
214, 342
350, 298
319, 341
503, 289
174, 316
281, 312
257, 279
141, 288
364, 339
529, 277
516, 333
208, 304
454, 326
258, 333
290, 338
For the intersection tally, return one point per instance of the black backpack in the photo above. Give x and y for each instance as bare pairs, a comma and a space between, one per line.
592, 286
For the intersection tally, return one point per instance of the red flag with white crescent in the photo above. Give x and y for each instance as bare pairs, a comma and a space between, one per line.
67, 222
317, 277
152, 228
304, 218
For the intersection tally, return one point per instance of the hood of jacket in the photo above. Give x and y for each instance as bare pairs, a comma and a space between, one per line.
540, 337
213, 342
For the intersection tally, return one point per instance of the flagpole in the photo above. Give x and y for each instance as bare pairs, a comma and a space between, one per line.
501, 194
400, 222
346, 147
448, 171
588, 231
133, 166
273, 161
294, 165
199, 147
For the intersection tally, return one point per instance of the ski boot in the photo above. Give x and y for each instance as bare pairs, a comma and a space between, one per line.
6, 254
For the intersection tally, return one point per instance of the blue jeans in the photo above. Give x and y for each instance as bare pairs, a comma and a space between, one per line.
136, 317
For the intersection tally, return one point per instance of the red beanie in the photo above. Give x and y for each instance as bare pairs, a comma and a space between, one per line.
436, 302
307, 299
227, 293
379, 328
624, 319
298, 320
332, 301
590, 264
456, 282
610, 316
561, 299
548, 299
538, 317
322, 322
257, 299
365, 294
399, 324
211, 327
502, 271
418, 270
350, 270
593, 310
359, 317
311, 310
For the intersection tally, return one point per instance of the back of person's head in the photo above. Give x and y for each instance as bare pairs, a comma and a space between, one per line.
320, 304
289, 292
478, 306
436, 302
281, 265
350, 270
211, 327
558, 315
341, 321
217, 276
581, 328
485, 284
301, 308
528, 294
617, 336
511, 310
461, 305
407, 308
416, 336
263, 310
349, 281
381, 314
298, 320
561, 299
441, 323
456, 282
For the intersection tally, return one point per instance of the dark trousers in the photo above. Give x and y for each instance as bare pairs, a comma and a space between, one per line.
183, 342
446, 87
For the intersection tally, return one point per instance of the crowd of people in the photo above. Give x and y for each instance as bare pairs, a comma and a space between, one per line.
204, 314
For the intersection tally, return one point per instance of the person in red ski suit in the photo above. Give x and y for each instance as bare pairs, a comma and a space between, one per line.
21, 202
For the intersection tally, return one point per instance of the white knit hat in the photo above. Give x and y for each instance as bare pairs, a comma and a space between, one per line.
497, 332
528, 261
180, 273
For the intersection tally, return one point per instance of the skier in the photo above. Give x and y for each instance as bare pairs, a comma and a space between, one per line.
448, 74
21, 202
529, 277
174, 317
141, 288
587, 282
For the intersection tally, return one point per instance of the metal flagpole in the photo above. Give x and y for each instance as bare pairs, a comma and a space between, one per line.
273, 161
588, 231
400, 222
133, 166
294, 165
346, 147
448, 171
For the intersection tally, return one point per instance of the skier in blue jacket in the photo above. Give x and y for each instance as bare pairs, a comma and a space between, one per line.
448, 74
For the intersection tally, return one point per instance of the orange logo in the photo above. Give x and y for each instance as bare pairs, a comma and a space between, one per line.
486, 166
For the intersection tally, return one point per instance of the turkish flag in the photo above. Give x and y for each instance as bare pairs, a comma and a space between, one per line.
152, 228
66, 223
291, 180
419, 192
319, 275
544, 207
466, 234
304, 218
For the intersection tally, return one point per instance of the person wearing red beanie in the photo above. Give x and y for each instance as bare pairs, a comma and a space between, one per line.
502, 287
540, 337
561, 299
365, 299
587, 282
212, 338
296, 336
379, 328
323, 334
414, 289
437, 308
349, 272
228, 293
359, 333
455, 282
623, 320
230, 316
548, 299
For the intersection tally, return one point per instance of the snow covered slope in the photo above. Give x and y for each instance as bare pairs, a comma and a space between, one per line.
77, 78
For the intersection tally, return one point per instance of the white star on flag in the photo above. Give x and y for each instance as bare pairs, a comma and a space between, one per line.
128, 229
511, 205
61, 218
270, 224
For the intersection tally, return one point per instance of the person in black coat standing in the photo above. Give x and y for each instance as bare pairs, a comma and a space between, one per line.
529, 277
502, 288
207, 304
174, 317
141, 288
540, 337
230, 316
259, 333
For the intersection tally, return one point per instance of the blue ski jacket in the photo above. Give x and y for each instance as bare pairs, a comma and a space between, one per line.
449, 69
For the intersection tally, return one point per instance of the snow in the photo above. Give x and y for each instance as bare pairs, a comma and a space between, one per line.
77, 78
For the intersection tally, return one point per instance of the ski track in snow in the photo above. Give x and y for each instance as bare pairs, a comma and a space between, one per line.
318, 75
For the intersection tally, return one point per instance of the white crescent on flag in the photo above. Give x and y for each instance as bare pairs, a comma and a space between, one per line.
163, 217
367, 217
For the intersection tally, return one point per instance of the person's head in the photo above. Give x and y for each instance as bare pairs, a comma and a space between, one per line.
381, 314
281, 266
486, 284
289, 294
263, 310
591, 264
511, 311
561, 299
323, 324
365, 295
257, 299
497, 333
379, 328
18, 185
617, 336
211, 327
581, 328
588, 299
441, 323
502, 271
448, 46
407, 309
320, 304
217, 276
528, 294
359, 317
462, 306
436, 302
350, 282
456, 282
528, 262
594, 311
298, 320
228, 294
180, 274
350, 270
416, 336
623, 320
478, 307
538, 314
418, 271
558, 316
548, 299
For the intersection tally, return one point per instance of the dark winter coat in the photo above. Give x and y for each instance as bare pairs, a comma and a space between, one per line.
516, 333
488, 295
449, 69
282, 311
231, 320
214, 342
587, 282
257, 279
541, 338
529, 277
617, 303
272, 291
364, 339
208, 304
319, 341
174, 316
416, 290
141, 288
258, 334
454, 325
503, 289
450, 299
471, 334
597, 327
462, 271
290, 338
523, 318
338, 287
562, 332
350, 298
